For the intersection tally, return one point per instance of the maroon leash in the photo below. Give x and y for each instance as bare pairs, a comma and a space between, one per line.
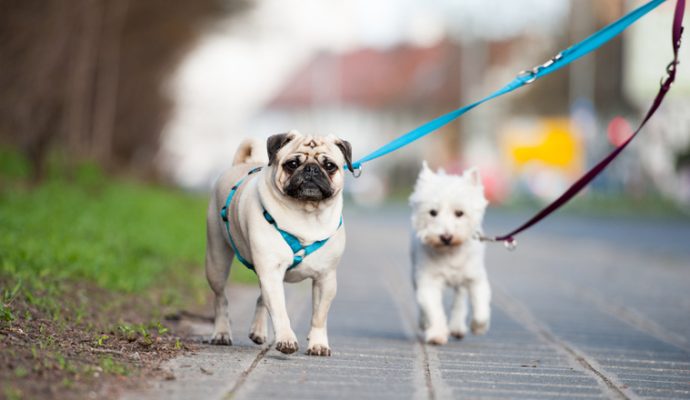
509, 238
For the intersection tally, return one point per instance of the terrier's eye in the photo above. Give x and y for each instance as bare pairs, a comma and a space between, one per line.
433, 213
459, 213
330, 166
291, 165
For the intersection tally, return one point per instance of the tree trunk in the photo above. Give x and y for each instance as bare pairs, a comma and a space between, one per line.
115, 15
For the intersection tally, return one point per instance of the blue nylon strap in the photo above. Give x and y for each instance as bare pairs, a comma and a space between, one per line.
295, 244
226, 218
291, 240
564, 58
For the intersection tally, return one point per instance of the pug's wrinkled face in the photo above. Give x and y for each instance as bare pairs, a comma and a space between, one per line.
308, 168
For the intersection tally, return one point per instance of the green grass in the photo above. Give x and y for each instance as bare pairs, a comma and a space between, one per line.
122, 235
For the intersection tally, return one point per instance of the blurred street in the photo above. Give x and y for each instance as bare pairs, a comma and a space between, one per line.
585, 308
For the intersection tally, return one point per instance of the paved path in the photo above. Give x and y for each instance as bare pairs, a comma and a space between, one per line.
586, 308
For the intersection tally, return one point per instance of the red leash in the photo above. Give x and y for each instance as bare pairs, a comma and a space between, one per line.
509, 238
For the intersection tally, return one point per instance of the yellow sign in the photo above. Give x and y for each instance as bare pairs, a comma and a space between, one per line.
551, 142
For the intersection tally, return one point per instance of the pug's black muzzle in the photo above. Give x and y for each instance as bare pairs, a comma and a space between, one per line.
309, 183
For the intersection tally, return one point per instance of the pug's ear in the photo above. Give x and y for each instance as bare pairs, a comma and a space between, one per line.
275, 143
346, 148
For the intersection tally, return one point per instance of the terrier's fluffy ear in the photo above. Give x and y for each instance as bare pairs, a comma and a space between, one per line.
472, 174
425, 172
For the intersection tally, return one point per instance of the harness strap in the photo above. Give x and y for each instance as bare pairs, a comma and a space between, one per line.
299, 251
226, 219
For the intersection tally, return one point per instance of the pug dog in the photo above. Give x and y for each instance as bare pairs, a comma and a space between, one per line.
301, 188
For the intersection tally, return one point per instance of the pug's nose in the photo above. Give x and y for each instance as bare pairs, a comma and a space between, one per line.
446, 239
311, 171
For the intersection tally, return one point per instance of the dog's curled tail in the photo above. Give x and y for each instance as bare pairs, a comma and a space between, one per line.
250, 151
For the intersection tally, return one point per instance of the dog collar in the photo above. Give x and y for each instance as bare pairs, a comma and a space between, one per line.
299, 251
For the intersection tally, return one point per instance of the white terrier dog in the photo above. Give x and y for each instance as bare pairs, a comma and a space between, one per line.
447, 216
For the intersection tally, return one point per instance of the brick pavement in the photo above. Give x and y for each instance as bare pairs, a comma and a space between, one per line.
586, 308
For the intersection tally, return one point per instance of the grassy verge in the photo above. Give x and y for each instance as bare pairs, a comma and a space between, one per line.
89, 266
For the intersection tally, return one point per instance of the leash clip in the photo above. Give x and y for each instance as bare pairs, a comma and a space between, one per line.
531, 74
510, 243
356, 171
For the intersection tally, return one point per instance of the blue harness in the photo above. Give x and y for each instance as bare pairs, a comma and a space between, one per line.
299, 251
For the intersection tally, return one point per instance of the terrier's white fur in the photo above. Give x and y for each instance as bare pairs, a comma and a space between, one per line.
447, 212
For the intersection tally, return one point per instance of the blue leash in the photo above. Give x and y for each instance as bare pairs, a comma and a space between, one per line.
525, 77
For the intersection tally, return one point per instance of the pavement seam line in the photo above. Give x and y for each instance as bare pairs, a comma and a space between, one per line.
245, 374
625, 314
409, 324
296, 305
521, 314
427, 371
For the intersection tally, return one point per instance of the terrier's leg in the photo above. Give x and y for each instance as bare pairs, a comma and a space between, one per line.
429, 298
458, 313
480, 295
423, 319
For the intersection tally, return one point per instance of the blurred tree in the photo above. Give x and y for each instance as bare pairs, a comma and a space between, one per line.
88, 76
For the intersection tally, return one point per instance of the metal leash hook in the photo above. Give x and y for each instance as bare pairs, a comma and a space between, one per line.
531, 74
356, 171
509, 243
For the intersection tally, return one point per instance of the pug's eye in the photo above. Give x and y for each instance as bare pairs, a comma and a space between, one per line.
291, 165
459, 213
433, 213
330, 166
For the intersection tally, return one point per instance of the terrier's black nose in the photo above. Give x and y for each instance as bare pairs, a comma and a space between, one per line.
446, 239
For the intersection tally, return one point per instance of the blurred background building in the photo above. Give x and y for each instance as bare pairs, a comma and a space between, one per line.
170, 88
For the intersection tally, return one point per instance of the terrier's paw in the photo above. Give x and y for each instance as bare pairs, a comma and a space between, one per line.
222, 338
319, 350
436, 336
257, 338
437, 340
480, 327
458, 334
287, 347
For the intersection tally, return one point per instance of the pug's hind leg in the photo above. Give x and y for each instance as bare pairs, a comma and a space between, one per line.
218, 261
259, 330
323, 293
